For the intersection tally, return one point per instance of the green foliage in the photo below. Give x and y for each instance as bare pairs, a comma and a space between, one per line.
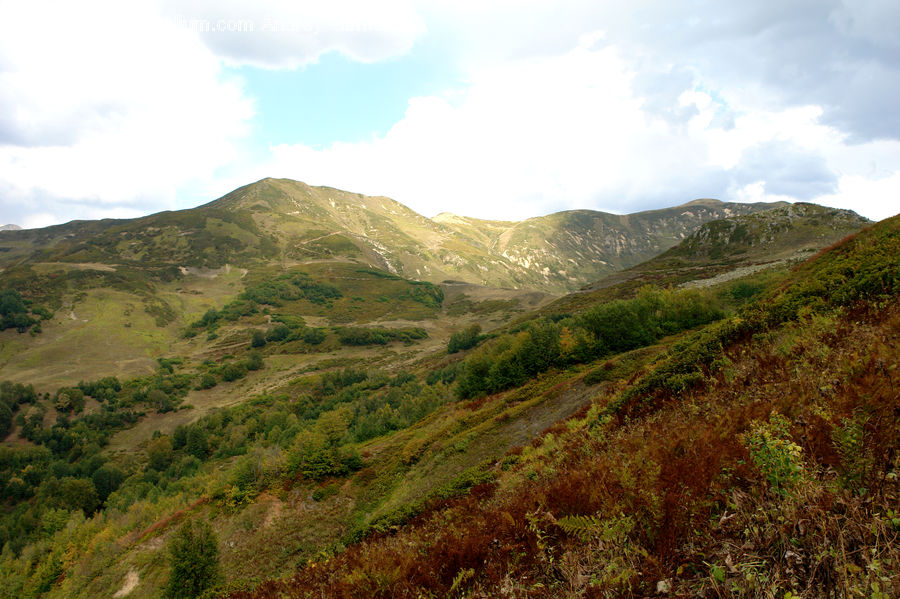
6, 418
314, 336
102, 390
849, 439
604, 330
69, 399
425, 293
78, 494
324, 492
465, 339
194, 561
106, 480
258, 339
773, 452
14, 311
291, 287
595, 527
279, 332
160, 401
233, 372
159, 453
254, 361
317, 456
207, 381
378, 335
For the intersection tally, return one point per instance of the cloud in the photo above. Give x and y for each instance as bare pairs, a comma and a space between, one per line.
535, 135
123, 108
787, 169
287, 35
110, 108
769, 54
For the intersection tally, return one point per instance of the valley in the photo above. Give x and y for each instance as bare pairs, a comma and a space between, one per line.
364, 402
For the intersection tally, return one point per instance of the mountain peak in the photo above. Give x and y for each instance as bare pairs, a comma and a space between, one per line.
10, 228
704, 202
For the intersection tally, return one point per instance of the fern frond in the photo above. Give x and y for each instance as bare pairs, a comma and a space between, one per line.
583, 527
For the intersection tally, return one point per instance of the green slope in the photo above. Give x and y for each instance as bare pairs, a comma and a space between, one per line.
272, 462
728, 249
279, 220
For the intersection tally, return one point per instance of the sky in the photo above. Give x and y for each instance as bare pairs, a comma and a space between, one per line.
493, 109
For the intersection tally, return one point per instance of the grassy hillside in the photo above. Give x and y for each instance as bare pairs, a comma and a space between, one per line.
776, 474
288, 222
757, 248
313, 416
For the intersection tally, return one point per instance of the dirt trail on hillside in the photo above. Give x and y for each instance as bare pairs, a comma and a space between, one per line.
131, 581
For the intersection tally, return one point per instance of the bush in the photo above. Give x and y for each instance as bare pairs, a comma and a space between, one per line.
314, 336
106, 480
233, 372
258, 339
78, 494
207, 381
773, 452
279, 332
254, 361
194, 561
5, 420
464, 339
379, 336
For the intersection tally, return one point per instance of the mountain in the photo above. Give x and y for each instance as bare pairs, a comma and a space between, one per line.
576, 246
10, 228
288, 222
725, 462
344, 431
727, 249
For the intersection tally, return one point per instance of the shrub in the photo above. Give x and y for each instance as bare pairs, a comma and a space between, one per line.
464, 339
258, 339
314, 336
207, 381
159, 453
254, 361
233, 372
279, 332
5, 420
194, 560
773, 452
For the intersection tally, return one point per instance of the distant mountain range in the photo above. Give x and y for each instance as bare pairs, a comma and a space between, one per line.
289, 222
10, 228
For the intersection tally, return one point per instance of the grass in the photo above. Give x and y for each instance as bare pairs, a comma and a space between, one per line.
469, 499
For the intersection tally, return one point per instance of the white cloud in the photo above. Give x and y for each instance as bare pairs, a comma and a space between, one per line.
112, 106
876, 198
278, 34
541, 134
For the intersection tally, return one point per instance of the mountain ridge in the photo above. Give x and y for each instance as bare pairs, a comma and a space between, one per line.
280, 220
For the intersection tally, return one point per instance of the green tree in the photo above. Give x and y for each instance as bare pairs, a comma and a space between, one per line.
279, 332
258, 339
233, 372
254, 360
464, 339
79, 494
160, 400
207, 381
194, 558
5, 419
107, 479
159, 453
196, 442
